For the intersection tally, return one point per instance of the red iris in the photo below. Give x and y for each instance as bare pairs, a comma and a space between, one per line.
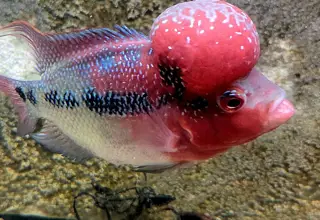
231, 100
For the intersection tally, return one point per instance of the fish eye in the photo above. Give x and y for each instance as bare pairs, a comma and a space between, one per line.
231, 100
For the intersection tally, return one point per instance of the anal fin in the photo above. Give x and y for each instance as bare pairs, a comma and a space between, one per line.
53, 139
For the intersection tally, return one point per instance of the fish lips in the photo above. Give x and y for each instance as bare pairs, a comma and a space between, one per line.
279, 112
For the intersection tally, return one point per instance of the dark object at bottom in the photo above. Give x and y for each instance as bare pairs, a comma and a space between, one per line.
191, 216
188, 215
115, 201
28, 217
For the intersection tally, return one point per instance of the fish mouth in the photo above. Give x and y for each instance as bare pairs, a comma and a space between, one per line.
280, 111
275, 104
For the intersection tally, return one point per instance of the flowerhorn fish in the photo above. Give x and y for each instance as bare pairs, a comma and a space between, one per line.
185, 93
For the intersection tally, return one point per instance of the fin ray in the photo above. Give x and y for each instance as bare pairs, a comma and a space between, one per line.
48, 49
53, 139
27, 121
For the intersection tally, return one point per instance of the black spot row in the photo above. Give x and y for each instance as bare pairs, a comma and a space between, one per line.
21, 93
163, 100
31, 97
198, 103
171, 76
67, 100
114, 103
26, 95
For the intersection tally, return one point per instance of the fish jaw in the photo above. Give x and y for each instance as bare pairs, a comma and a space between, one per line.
279, 113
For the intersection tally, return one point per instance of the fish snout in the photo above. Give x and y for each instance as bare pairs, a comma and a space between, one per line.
280, 111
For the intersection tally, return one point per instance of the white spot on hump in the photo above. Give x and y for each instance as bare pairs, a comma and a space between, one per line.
238, 33
230, 37
169, 47
199, 23
230, 26
241, 47
174, 19
192, 23
202, 31
166, 30
188, 40
211, 27
164, 21
249, 39
211, 9
217, 42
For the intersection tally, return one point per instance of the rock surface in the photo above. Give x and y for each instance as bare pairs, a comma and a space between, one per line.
276, 176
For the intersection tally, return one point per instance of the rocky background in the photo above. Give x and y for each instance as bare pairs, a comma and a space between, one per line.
274, 177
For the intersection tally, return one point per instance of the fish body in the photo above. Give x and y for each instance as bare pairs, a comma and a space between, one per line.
184, 93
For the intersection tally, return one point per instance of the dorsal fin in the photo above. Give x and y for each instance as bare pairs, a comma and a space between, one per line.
51, 48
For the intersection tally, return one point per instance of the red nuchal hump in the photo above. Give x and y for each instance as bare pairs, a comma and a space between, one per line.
212, 42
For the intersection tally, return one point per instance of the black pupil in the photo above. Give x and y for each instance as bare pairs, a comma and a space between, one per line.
234, 103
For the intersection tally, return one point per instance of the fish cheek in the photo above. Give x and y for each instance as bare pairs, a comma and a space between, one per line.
214, 131
241, 127
201, 144
199, 122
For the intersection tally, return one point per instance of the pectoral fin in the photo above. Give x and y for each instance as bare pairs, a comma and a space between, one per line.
53, 139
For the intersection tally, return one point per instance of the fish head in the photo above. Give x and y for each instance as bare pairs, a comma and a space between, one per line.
212, 47
236, 114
